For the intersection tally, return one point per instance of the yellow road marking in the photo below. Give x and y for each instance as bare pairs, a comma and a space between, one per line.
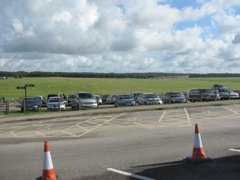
231, 110
187, 115
90, 130
160, 119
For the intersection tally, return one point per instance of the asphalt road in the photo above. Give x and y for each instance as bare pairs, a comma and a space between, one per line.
124, 145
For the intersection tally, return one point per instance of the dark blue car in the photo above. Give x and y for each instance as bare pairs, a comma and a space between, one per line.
32, 104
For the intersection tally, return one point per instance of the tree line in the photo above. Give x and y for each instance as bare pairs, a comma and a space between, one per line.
147, 75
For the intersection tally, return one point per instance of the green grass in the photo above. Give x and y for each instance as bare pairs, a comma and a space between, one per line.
45, 86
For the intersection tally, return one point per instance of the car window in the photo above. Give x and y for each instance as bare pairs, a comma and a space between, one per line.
176, 95
53, 100
207, 91
124, 97
150, 95
85, 95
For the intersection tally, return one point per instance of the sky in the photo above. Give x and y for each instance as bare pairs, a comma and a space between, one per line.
120, 36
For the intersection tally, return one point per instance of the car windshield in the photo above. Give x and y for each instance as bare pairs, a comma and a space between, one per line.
151, 96
176, 95
207, 91
55, 100
85, 95
125, 97
31, 100
224, 90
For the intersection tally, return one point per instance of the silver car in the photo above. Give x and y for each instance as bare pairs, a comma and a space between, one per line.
125, 100
148, 99
83, 100
174, 97
227, 94
56, 103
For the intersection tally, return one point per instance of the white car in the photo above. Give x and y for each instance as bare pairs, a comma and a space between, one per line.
56, 103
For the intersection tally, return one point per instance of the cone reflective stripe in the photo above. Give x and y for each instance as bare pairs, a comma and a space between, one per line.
198, 154
48, 170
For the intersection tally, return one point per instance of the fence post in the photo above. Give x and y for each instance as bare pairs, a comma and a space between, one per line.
7, 107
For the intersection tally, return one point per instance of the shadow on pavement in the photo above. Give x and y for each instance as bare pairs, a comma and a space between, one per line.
221, 168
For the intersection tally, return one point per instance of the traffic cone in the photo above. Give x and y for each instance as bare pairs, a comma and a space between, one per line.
198, 154
48, 170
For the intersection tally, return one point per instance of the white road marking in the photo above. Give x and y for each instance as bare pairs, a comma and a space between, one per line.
236, 150
129, 174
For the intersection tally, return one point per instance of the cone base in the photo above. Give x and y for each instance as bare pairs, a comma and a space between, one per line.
190, 159
57, 177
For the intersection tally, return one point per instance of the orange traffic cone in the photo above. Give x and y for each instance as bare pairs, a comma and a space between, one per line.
198, 154
48, 170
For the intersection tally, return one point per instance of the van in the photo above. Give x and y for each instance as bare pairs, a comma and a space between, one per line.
83, 100
202, 95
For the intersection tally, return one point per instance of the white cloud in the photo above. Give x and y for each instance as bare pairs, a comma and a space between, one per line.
17, 25
119, 36
64, 16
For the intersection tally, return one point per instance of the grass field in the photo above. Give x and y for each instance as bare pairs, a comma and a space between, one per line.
45, 86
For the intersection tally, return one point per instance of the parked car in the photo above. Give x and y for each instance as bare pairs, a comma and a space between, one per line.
135, 95
41, 99
111, 99
202, 95
30, 103
226, 93
125, 100
148, 98
174, 97
99, 99
56, 103
104, 97
237, 91
83, 100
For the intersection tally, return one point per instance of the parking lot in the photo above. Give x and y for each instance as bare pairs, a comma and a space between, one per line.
141, 144
78, 126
